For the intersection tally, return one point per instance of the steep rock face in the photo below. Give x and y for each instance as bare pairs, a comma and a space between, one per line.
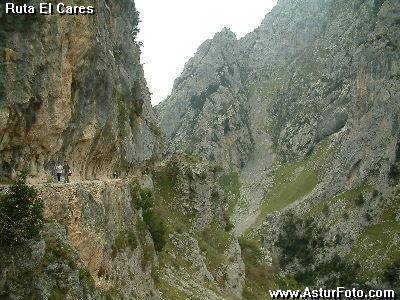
340, 74
322, 71
73, 88
313, 70
207, 112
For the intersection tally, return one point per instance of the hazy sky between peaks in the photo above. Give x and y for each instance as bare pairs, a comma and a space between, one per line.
171, 32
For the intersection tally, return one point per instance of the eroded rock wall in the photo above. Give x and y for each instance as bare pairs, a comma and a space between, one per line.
72, 88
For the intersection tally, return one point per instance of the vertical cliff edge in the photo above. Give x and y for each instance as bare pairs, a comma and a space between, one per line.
72, 88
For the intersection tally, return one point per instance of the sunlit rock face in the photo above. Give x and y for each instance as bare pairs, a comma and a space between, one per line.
72, 88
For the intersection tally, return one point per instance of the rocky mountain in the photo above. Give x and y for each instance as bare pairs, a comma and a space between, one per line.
320, 87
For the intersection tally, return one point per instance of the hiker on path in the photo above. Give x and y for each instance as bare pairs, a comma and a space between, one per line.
67, 171
59, 171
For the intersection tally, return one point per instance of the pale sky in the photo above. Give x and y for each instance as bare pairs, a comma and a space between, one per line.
171, 32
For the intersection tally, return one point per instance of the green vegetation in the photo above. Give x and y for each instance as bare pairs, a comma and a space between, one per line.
353, 198
167, 196
300, 242
58, 294
258, 277
144, 199
156, 227
293, 181
229, 226
359, 200
391, 274
171, 292
394, 174
113, 294
141, 198
166, 183
21, 214
155, 129
147, 247
125, 239
85, 278
6, 181
230, 184
191, 158
214, 241
288, 188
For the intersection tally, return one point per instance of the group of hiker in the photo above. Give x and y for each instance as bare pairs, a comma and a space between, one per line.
63, 171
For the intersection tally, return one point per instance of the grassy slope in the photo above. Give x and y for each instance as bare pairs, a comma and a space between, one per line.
377, 246
293, 181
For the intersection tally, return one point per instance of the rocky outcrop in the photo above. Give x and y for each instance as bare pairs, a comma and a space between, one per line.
207, 112
322, 83
202, 259
73, 89
106, 231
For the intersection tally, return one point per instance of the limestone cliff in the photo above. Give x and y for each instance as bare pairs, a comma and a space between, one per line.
94, 245
72, 88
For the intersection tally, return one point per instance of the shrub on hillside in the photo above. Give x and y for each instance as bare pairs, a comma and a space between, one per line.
156, 227
359, 200
144, 199
299, 240
21, 214
394, 172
